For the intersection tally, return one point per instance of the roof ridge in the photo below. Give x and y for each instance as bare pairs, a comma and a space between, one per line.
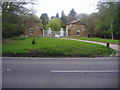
75, 22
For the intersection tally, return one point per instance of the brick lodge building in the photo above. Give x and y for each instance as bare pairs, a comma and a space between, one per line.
76, 29
32, 28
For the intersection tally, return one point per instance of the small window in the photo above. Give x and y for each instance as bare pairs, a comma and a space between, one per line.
31, 31
78, 33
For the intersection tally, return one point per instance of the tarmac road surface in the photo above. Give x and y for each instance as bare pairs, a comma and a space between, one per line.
21, 72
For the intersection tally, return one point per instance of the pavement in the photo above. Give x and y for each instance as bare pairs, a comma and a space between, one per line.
22, 72
113, 46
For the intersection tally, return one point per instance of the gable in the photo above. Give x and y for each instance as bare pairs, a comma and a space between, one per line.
76, 26
31, 23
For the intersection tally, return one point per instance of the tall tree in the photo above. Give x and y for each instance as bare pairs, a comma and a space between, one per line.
104, 23
55, 24
12, 18
109, 9
52, 17
45, 19
62, 15
63, 20
71, 15
57, 15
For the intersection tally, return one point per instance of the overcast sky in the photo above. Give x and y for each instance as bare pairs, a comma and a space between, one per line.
51, 7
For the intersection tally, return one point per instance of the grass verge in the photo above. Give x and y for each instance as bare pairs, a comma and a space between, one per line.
52, 47
98, 40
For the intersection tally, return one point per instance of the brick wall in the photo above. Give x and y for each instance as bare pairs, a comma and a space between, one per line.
32, 23
73, 30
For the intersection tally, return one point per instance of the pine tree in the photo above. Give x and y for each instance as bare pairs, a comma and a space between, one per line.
57, 15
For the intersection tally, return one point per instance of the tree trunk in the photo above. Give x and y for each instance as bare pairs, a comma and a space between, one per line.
112, 29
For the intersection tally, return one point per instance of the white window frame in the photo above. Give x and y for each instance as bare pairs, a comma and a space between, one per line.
31, 31
78, 31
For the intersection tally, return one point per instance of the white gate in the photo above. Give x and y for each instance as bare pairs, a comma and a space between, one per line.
50, 33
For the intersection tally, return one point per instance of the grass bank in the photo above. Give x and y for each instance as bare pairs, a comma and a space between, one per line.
99, 40
52, 47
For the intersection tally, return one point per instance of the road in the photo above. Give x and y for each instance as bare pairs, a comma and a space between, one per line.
21, 72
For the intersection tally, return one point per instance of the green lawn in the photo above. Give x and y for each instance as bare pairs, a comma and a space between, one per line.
99, 40
46, 46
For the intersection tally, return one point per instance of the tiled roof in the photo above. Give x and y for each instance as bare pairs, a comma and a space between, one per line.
76, 22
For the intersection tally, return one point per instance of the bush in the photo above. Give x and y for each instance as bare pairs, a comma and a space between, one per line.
11, 30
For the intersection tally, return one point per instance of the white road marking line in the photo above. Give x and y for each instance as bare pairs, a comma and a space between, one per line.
83, 71
56, 58
7, 69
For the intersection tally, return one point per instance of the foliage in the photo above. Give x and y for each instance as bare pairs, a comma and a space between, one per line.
71, 15
57, 15
44, 18
109, 9
54, 47
10, 30
13, 14
63, 20
104, 23
55, 24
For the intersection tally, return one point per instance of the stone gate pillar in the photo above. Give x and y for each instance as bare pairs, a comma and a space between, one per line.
43, 32
66, 33
61, 32
49, 32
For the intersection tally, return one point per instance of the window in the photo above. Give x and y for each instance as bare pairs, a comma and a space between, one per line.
78, 33
31, 31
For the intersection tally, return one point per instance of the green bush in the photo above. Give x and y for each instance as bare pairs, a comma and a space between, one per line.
11, 30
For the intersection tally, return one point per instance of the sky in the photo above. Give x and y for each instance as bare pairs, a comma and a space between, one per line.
52, 7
